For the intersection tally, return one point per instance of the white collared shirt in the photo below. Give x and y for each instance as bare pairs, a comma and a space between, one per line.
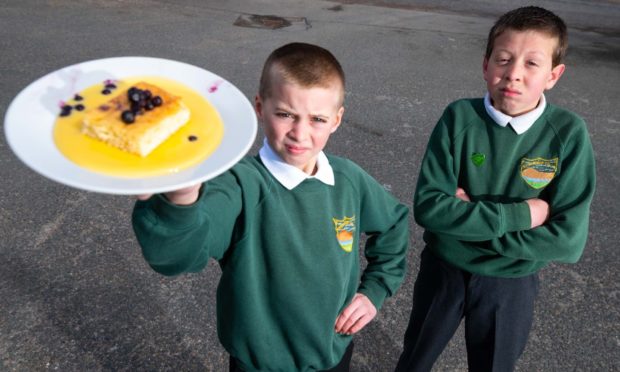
520, 124
290, 176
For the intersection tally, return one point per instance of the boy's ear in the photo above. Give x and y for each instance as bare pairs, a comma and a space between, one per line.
338, 119
556, 72
485, 66
258, 106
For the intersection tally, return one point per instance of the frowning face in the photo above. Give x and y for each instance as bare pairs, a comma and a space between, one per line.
519, 70
298, 121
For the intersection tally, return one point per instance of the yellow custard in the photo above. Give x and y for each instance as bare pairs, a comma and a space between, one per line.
189, 146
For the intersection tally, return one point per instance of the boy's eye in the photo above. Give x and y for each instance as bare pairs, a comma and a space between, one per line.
283, 115
532, 63
319, 120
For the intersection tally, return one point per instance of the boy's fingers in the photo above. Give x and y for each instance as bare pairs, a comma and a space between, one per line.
539, 211
350, 320
356, 322
344, 316
461, 194
359, 325
351, 307
355, 316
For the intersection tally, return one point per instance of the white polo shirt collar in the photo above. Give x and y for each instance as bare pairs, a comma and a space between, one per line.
290, 176
520, 124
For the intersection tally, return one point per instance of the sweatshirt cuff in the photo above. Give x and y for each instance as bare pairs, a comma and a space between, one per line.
516, 217
375, 293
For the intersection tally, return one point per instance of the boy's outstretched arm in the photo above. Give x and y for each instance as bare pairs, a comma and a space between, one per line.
176, 237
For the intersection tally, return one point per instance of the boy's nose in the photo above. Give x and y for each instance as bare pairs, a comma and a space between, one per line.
300, 130
513, 72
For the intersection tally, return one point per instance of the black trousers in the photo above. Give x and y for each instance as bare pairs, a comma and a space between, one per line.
343, 366
498, 316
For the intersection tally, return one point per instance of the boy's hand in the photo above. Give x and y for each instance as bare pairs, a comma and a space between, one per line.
185, 196
461, 194
539, 211
355, 316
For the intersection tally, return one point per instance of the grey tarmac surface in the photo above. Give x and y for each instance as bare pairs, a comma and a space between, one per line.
76, 294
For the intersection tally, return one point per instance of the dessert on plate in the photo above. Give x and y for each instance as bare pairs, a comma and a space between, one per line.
137, 120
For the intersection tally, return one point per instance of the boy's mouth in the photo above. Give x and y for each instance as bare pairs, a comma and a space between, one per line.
510, 92
295, 149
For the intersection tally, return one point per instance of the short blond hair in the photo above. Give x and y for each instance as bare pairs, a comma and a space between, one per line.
303, 64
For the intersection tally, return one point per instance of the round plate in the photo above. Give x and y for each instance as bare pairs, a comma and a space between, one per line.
30, 118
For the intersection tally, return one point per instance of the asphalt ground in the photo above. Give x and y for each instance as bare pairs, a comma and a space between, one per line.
75, 293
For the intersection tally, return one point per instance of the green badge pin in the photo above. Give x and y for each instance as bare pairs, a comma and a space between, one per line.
477, 158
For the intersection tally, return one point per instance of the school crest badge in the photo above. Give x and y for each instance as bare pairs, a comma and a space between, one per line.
478, 159
538, 172
345, 229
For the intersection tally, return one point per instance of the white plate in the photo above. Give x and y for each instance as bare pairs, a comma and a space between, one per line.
29, 122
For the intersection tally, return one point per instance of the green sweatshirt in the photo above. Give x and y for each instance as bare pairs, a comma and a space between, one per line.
499, 170
289, 258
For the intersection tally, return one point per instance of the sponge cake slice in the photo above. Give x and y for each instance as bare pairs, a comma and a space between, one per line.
150, 127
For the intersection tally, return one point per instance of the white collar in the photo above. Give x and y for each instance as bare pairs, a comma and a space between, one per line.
290, 176
519, 124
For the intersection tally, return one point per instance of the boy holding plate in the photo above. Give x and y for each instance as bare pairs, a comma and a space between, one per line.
285, 228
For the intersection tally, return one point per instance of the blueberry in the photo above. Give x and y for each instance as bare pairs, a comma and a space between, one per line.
65, 110
157, 101
77, 97
192, 138
106, 91
149, 106
137, 110
147, 94
110, 86
79, 107
134, 97
135, 107
128, 117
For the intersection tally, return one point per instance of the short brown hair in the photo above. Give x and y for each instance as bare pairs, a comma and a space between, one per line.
532, 18
304, 64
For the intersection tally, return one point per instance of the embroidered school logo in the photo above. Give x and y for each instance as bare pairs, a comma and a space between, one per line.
344, 232
478, 159
538, 172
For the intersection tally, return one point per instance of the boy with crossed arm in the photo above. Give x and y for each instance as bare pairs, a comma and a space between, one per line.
505, 188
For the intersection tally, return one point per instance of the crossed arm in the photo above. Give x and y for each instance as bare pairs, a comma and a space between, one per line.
539, 209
